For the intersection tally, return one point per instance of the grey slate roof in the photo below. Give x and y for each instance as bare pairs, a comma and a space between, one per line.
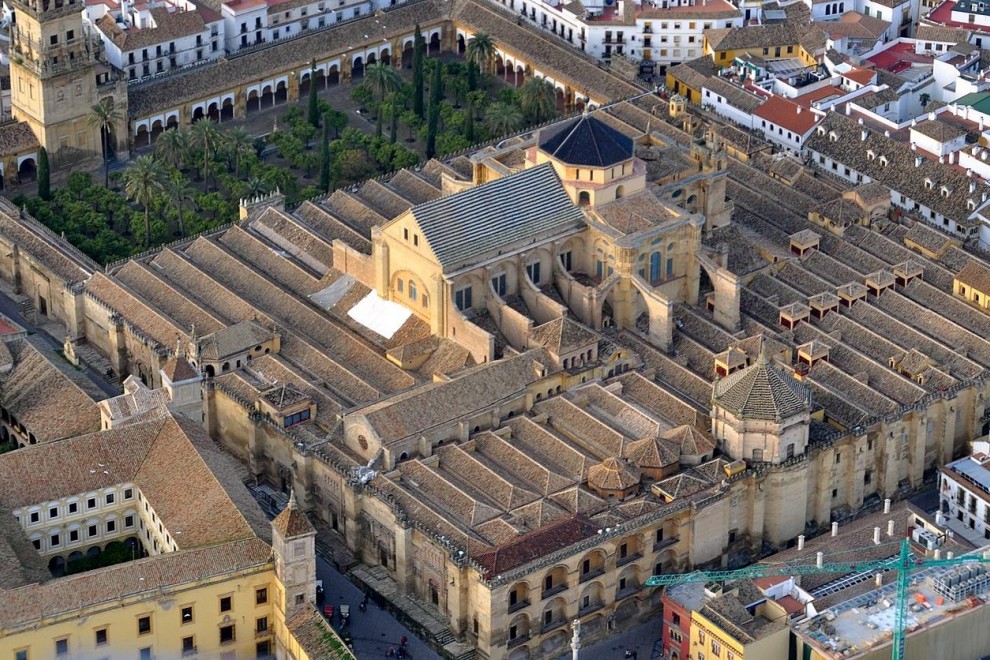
761, 391
480, 220
588, 141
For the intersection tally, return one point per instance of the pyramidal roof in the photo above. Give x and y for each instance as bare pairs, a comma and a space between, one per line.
586, 141
292, 522
761, 391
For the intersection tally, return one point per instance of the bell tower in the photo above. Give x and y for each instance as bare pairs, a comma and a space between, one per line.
54, 69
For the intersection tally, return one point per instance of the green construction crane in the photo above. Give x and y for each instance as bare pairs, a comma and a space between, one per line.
903, 563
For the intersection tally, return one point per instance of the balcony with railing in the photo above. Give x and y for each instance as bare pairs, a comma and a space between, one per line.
665, 543
517, 640
521, 604
630, 557
553, 625
553, 591
592, 574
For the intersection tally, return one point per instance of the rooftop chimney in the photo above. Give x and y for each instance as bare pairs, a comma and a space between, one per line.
890, 528
983, 197
886, 133
849, 109
886, 505
914, 146
879, 579
914, 122
972, 187
938, 553
876, 535
917, 161
941, 159
949, 555
863, 135
819, 559
799, 109
939, 518
860, 121
801, 542
931, 116
835, 529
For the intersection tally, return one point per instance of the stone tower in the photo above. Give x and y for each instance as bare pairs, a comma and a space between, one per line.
56, 78
294, 545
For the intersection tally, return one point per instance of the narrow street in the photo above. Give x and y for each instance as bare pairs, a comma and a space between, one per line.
372, 631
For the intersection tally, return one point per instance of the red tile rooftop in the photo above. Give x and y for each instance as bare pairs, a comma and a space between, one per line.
767, 582
943, 16
787, 114
6, 328
899, 57
819, 94
791, 605
861, 76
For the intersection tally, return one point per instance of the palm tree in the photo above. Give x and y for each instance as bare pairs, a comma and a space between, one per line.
382, 80
503, 118
538, 99
238, 143
143, 182
256, 187
178, 190
481, 51
206, 137
103, 117
172, 147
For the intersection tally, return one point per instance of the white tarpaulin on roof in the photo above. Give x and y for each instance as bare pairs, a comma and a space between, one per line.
381, 316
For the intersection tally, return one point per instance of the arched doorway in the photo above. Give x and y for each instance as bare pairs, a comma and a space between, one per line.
434, 45
434, 594
253, 101
27, 170
461, 46
407, 55
584, 198
170, 123
281, 92
333, 77
386, 57
357, 68
213, 112
372, 59
156, 130
143, 137
304, 82
57, 566
620, 192
227, 111
197, 114
267, 97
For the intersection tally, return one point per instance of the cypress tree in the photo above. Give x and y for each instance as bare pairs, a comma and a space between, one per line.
469, 121
314, 110
325, 157
431, 130
417, 65
44, 175
436, 85
378, 124
394, 123
472, 77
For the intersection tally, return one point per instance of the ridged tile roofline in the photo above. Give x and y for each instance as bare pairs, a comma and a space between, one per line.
761, 391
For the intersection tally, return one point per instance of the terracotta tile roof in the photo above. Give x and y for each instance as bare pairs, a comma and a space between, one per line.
636, 213
754, 36
178, 369
939, 131
787, 114
761, 391
292, 522
170, 91
652, 453
168, 26
690, 440
232, 340
16, 138
46, 394
315, 636
562, 335
939, 34
735, 95
613, 474
536, 544
975, 274
423, 407
694, 73
861, 76
901, 173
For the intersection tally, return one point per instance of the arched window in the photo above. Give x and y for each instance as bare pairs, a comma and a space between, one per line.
398, 286
584, 198
412, 290
654, 266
